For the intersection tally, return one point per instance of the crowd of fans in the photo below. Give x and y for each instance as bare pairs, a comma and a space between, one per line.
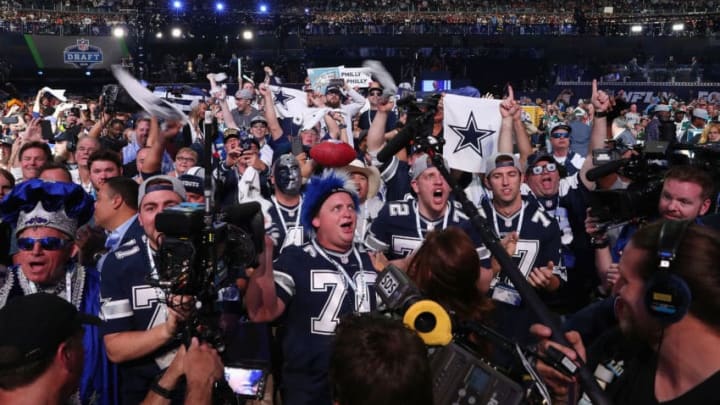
531, 18
83, 178
44, 22
334, 215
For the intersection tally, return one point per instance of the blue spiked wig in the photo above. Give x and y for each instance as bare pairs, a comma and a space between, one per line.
320, 188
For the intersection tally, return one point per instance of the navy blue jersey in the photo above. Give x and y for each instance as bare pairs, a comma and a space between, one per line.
129, 303
317, 293
538, 243
569, 207
285, 228
399, 229
396, 176
366, 118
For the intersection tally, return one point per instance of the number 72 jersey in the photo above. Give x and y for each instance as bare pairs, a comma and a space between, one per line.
399, 230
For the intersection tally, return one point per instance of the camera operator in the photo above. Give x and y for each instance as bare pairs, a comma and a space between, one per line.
313, 285
139, 328
201, 367
686, 194
665, 348
377, 360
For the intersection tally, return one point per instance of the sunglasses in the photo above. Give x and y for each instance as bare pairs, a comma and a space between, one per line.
550, 167
558, 135
375, 93
48, 243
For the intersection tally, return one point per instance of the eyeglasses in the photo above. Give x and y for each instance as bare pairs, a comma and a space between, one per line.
48, 243
184, 159
550, 167
375, 93
558, 135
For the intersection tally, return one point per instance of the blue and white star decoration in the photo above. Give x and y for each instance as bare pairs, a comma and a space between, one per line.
282, 98
471, 136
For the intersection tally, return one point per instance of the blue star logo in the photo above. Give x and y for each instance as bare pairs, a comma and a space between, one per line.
282, 98
470, 135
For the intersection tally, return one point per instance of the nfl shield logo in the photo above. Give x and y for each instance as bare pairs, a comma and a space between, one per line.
83, 45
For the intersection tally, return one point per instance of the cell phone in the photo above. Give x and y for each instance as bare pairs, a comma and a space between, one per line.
246, 380
10, 120
47, 132
296, 146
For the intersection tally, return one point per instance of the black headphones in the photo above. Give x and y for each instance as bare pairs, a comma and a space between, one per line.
667, 295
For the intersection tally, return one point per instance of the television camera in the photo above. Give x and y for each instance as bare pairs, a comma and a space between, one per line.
645, 167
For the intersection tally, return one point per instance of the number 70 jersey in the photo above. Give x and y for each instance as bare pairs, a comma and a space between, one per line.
319, 287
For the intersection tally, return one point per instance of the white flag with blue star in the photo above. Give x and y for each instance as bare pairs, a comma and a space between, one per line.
289, 102
471, 127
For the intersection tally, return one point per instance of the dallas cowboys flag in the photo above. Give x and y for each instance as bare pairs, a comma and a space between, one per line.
289, 102
471, 129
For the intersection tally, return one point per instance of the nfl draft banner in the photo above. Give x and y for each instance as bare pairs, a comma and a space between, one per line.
82, 54
471, 127
59, 52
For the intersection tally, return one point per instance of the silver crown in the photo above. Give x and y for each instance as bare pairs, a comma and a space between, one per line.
39, 216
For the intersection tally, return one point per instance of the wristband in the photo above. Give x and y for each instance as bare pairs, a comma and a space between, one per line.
163, 392
601, 114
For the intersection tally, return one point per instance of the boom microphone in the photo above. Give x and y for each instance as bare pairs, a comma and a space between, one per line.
603, 170
395, 145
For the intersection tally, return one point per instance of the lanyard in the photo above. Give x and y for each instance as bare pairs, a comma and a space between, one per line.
417, 219
358, 289
153, 268
364, 219
280, 210
520, 222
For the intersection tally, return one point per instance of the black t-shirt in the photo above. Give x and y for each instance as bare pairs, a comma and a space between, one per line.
636, 364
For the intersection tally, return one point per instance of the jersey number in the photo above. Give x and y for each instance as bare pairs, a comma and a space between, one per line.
334, 283
399, 210
525, 255
144, 296
405, 245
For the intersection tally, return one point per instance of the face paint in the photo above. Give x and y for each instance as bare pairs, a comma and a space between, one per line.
287, 175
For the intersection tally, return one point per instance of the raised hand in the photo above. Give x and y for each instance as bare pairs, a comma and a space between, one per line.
509, 107
599, 99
